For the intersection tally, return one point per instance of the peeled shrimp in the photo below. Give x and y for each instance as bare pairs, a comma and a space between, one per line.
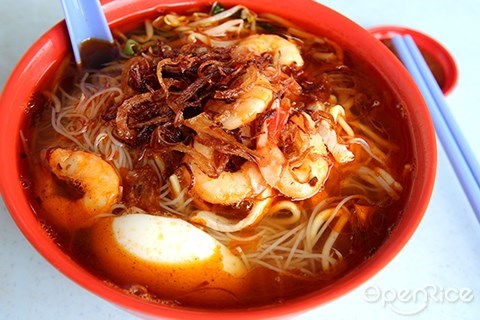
339, 151
229, 187
246, 107
299, 179
285, 51
83, 185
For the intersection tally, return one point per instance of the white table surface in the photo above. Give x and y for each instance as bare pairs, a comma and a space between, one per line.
444, 254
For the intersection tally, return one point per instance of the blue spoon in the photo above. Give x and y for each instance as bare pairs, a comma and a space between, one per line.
91, 38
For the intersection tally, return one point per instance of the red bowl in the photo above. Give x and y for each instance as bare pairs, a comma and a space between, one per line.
38, 66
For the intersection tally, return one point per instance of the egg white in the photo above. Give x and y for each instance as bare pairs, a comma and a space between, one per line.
169, 257
172, 241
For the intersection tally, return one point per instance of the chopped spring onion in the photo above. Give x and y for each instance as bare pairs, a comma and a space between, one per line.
217, 7
131, 47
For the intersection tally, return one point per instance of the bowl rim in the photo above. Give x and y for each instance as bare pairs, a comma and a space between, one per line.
10, 185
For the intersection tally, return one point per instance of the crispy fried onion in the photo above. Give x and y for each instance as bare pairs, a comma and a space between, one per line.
194, 73
139, 115
164, 86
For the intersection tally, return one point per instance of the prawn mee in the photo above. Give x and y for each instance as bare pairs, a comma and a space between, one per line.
227, 159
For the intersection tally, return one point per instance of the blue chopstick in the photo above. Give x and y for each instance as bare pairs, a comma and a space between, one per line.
456, 147
444, 110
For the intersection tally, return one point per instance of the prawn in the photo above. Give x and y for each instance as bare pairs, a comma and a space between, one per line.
247, 106
299, 176
329, 135
339, 151
229, 187
258, 91
285, 51
81, 185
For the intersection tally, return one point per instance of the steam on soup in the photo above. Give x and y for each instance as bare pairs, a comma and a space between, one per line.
226, 159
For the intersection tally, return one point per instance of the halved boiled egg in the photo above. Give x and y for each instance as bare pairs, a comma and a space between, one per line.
169, 256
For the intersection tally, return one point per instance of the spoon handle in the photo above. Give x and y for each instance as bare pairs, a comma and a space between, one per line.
85, 21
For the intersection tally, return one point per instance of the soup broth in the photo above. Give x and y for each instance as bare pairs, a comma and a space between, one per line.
227, 159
